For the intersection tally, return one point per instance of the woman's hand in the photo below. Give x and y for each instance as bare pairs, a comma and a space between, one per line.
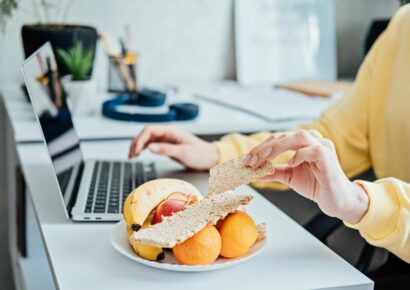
314, 172
182, 146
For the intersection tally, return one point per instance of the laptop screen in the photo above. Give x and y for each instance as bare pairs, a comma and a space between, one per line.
49, 102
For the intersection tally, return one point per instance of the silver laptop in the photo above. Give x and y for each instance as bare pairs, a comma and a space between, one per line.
92, 190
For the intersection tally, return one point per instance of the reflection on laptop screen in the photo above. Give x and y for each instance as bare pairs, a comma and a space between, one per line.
49, 101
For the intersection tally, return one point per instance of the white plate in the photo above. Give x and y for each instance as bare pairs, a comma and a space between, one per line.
120, 243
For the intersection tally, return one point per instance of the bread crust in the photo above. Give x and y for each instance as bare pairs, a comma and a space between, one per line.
231, 174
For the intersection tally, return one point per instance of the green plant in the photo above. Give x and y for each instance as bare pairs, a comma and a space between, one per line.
77, 60
404, 2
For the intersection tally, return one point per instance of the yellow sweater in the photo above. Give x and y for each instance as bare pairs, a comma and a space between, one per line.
370, 127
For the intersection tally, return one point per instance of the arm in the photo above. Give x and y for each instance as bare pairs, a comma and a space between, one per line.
387, 221
379, 210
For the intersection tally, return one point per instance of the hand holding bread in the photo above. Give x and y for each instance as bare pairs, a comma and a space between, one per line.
314, 172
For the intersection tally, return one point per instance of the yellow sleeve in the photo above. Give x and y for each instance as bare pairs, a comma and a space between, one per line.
387, 221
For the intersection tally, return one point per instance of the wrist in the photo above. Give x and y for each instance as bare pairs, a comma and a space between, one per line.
357, 205
214, 155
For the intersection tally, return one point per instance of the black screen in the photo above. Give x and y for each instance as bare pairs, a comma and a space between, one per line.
49, 100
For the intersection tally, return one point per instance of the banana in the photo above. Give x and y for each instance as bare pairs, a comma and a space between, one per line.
145, 251
145, 198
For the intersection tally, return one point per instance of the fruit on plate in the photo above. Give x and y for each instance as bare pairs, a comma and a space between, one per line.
181, 220
146, 198
241, 208
165, 213
167, 208
201, 249
145, 251
238, 234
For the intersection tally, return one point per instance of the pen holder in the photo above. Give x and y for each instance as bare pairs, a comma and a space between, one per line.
122, 73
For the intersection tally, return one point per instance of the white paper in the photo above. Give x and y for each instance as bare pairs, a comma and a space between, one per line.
284, 40
268, 103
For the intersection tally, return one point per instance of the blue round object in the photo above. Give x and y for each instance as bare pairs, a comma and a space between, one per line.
177, 112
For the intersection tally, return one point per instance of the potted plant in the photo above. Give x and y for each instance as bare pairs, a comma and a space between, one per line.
50, 26
78, 85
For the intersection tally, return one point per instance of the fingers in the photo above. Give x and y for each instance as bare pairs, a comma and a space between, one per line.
315, 153
262, 145
282, 173
147, 135
136, 142
275, 146
174, 151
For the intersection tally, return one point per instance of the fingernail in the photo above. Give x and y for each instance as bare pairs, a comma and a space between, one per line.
153, 147
246, 159
291, 161
253, 161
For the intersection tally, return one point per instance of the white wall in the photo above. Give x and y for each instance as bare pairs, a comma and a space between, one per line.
184, 39
178, 39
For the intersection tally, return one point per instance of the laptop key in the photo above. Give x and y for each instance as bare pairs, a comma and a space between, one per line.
113, 210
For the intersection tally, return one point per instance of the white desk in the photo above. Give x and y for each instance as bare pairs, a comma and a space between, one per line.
80, 255
213, 120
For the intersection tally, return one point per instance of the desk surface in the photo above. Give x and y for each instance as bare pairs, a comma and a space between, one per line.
81, 257
213, 120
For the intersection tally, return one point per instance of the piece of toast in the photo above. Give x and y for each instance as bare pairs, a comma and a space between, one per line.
231, 174
182, 225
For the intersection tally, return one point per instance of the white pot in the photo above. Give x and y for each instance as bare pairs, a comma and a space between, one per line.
81, 96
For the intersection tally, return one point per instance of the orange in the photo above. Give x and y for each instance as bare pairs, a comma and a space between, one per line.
201, 249
238, 233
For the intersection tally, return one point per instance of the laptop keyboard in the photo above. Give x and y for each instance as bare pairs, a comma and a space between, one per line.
111, 183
